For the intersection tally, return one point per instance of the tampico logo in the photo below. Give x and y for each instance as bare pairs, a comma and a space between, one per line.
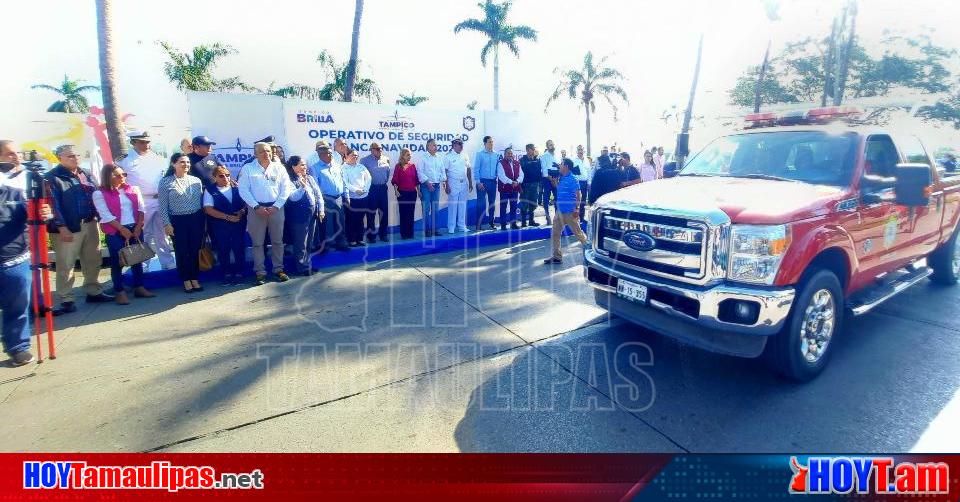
469, 123
395, 121
234, 156
313, 116
640, 241
840, 475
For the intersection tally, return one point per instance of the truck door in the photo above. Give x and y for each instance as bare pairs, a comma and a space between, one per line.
924, 222
882, 236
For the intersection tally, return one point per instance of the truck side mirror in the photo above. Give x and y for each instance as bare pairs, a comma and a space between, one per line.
913, 184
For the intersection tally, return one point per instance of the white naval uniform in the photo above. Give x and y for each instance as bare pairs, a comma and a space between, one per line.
144, 172
456, 166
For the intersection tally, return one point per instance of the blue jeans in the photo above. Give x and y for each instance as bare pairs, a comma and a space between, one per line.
546, 190
15, 304
486, 202
115, 243
431, 206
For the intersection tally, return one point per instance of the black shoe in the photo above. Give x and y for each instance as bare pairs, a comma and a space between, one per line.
65, 308
552, 261
198, 289
492, 227
523, 225
260, 280
384, 238
514, 226
21, 358
99, 298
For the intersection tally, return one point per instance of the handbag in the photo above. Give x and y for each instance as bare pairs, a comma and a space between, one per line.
135, 254
206, 258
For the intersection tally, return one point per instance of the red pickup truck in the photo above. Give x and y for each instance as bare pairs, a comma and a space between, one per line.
769, 238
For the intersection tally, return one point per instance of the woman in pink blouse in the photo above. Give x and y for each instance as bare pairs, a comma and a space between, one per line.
405, 182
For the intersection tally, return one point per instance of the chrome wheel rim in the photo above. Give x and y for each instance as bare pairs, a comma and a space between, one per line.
955, 261
817, 326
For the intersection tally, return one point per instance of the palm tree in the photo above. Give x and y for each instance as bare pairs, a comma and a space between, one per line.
586, 84
494, 26
108, 80
688, 113
295, 90
351, 76
472, 105
71, 99
411, 99
336, 73
193, 71
772, 8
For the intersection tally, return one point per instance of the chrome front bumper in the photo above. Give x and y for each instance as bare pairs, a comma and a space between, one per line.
774, 303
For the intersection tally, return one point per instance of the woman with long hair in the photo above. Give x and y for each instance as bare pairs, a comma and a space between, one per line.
180, 201
227, 218
120, 207
648, 170
406, 184
303, 213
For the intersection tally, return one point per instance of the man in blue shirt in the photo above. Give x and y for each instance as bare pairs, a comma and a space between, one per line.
548, 186
568, 210
485, 165
335, 193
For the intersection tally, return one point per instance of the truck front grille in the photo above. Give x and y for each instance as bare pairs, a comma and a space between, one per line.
680, 250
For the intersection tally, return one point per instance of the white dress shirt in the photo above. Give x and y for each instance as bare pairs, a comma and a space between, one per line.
127, 216
145, 171
586, 170
259, 186
502, 175
547, 160
431, 168
455, 166
357, 177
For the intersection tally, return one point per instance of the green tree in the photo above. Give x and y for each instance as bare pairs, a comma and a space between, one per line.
411, 99
351, 74
295, 90
745, 92
108, 79
498, 32
593, 80
71, 95
336, 74
193, 71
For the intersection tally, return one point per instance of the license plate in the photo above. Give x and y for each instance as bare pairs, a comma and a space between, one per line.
632, 291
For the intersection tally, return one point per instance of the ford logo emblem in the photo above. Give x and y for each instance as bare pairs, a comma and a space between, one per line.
640, 241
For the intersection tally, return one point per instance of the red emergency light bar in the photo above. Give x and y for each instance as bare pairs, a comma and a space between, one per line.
797, 117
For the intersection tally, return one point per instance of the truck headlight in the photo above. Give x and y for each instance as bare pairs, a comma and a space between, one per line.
756, 252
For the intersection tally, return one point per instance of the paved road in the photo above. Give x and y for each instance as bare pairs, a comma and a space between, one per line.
483, 350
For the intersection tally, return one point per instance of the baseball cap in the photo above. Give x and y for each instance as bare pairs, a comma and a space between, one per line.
203, 141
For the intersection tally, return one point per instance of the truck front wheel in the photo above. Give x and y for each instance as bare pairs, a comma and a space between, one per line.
945, 262
802, 348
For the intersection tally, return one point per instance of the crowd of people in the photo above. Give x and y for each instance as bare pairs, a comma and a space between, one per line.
177, 205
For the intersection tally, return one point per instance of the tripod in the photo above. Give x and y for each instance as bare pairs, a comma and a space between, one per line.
39, 261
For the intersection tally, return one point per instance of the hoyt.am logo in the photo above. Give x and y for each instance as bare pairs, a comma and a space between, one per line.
876, 475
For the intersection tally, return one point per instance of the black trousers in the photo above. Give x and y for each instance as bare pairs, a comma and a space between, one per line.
377, 203
512, 199
357, 211
187, 240
228, 239
584, 190
407, 205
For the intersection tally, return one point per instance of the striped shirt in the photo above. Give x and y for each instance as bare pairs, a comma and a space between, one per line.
179, 196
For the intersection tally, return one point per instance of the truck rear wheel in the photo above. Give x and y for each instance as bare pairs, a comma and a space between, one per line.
945, 262
801, 350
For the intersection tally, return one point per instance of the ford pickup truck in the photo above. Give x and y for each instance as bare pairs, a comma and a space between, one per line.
770, 238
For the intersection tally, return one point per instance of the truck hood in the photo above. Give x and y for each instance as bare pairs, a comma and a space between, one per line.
744, 200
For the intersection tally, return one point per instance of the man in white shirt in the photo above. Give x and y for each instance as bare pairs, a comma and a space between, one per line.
265, 186
586, 173
433, 179
547, 160
144, 168
459, 185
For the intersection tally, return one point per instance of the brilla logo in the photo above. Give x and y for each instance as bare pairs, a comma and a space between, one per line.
868, 475
314, 117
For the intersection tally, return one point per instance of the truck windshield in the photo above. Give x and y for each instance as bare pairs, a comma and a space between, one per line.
807, 156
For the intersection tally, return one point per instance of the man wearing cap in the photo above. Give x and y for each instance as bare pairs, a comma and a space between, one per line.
202, 161
380, 172
144, 168
548, 188
485, 164
459, 185
433, 180
74, 229
335, 194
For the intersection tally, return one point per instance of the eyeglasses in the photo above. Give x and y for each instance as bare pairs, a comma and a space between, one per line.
120, 175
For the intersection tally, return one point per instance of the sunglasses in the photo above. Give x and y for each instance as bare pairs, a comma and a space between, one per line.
120, 175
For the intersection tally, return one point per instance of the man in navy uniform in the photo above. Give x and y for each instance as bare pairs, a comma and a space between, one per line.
202, 161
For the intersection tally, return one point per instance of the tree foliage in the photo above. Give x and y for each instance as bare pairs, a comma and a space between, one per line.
193, 71
495, 27
71, 95
336, 74
411, 99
